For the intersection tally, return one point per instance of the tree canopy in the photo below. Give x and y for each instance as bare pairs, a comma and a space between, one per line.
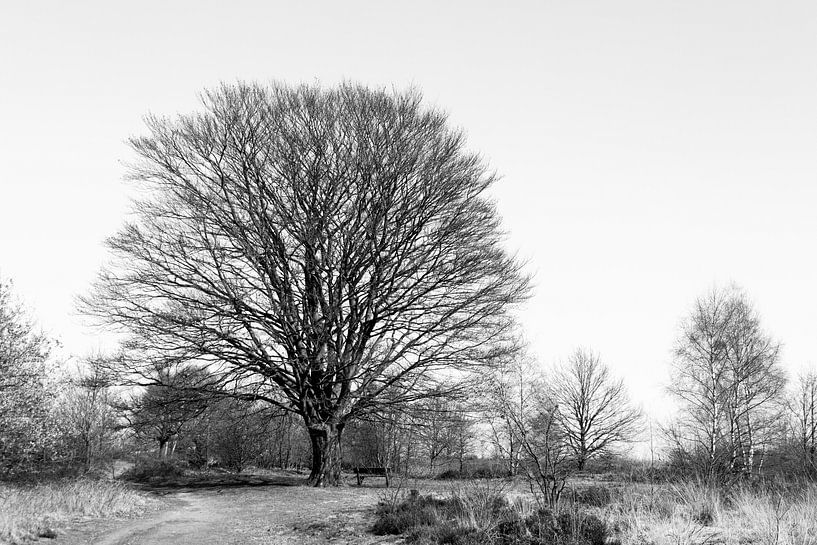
324, 250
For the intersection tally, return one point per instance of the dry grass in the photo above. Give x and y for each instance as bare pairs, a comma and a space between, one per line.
480, 513
685, 513
33, 511
695, 514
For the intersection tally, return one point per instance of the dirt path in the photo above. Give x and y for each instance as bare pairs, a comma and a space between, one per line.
271, 514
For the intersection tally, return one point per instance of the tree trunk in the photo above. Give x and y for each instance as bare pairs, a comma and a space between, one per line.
581, 462
326, 454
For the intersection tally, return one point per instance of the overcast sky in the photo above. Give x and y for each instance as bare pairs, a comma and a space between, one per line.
649, 150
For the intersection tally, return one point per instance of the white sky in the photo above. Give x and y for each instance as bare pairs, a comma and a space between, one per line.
649, 149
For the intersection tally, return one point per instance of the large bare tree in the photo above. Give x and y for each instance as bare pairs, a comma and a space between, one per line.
594, 408
324, 250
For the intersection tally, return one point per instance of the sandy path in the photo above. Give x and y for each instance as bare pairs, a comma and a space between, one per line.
264, 514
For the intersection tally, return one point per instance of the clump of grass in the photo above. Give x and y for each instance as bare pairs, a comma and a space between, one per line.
704, 503
31, 512
594, 496
775, 518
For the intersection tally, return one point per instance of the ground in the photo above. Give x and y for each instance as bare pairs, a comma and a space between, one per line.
247, 510
270, 508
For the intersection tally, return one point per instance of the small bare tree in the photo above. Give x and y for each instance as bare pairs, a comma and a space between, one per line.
510, 392
164, 408
547, 453
436, 420
594, 408
544, 448
86, 414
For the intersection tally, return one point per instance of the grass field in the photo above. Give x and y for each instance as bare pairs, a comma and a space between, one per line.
272, 508
29, 512
683, 513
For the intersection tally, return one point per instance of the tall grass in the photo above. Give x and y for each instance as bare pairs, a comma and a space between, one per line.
775, 517
694, 513
681, 513
29, 512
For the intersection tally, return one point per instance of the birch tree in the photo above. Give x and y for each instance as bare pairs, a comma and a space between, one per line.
727, 376
803, 410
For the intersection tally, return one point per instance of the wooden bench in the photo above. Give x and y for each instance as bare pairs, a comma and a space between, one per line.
362, 472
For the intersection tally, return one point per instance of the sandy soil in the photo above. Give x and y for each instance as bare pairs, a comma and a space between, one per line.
251, 511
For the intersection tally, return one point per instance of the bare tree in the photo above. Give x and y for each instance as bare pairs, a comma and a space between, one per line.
462, 434
376, 441
86, 414
432, 419
803, 409
240, 434
443, 430
510, 392
594, 408
324, 250
756, 388
165, 407
728, 378
24, 385
700, 378
544, 451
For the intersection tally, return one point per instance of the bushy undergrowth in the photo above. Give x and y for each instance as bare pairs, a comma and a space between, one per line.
681, 513
480, 516
33, 511
478, 472
152, 471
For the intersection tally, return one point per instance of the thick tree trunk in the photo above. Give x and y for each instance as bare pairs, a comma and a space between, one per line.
326, 454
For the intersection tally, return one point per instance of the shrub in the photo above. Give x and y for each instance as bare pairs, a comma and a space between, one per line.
412, 513
485, 471
476, 516
582, 528
488, 472
151, 471
448, 534
450, 474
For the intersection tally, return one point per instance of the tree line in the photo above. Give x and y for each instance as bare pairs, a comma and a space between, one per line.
739, 417
320, 273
